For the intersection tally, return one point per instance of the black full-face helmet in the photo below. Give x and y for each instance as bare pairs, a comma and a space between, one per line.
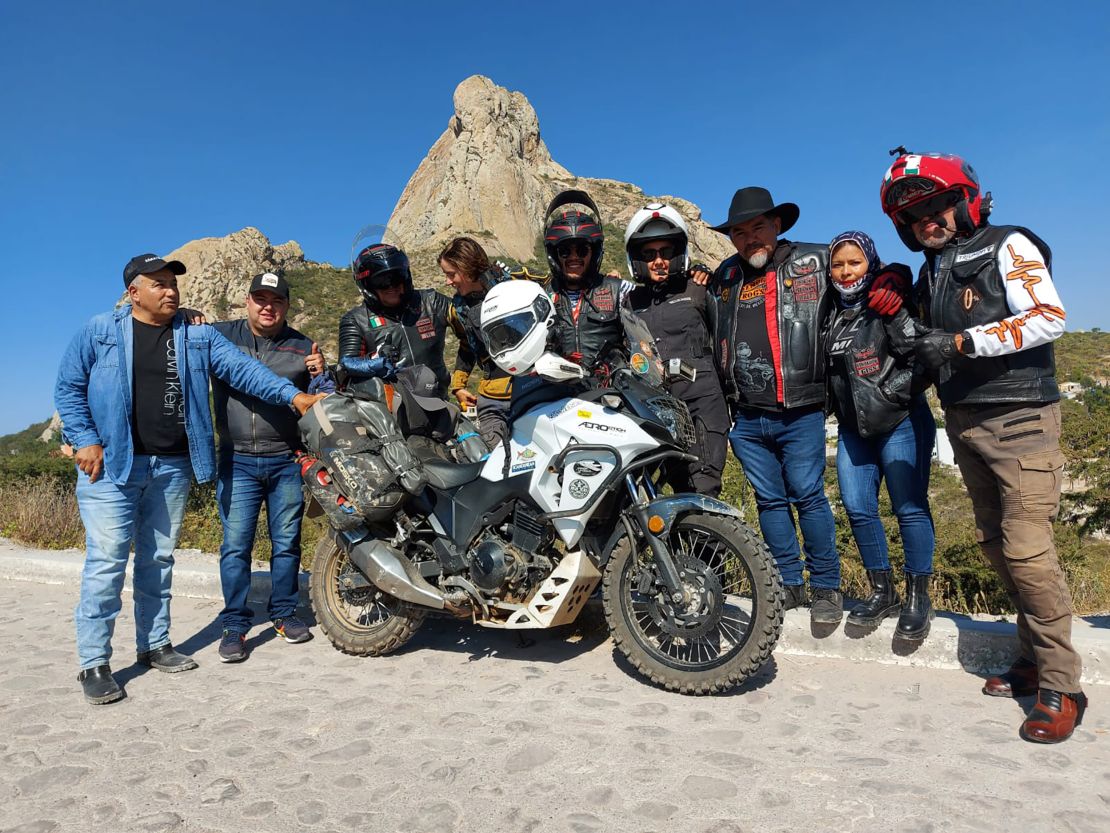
380, 266
570, 226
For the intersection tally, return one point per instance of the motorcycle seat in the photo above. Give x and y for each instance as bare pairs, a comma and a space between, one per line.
444, 475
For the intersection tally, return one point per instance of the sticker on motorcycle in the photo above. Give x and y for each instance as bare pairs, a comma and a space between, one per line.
578, 489
520, 468
585, 414
587, 468
597, 426
639, 363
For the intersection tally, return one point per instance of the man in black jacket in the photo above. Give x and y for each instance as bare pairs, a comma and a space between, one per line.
987, 296
396, 322
773, 307
256, 466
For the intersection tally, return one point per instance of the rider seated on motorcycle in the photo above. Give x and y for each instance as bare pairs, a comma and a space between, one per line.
396, 322
679, 313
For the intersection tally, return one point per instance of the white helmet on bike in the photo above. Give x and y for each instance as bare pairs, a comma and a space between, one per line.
515, 318
656, 222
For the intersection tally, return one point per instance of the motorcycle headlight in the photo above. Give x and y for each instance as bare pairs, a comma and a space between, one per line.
675, 417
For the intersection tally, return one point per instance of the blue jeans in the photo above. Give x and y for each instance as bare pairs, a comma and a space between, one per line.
245, 482
902, 457
145, 511
783, 455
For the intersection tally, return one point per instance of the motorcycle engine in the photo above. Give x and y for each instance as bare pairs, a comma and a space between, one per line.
495, 563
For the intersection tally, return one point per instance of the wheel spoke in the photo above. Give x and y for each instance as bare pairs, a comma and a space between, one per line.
718, 620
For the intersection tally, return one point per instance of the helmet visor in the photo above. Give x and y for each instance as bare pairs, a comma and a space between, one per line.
506, 333
385, 280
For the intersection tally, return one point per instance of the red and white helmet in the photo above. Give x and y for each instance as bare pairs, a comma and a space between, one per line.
915, 178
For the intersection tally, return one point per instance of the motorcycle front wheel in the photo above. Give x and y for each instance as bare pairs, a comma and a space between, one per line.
728, 622
357, 619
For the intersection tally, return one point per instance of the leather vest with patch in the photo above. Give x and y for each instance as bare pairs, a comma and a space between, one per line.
803, 306
595, 333
415, 332
961, 287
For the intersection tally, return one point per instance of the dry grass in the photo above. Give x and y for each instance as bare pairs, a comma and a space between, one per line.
41, 512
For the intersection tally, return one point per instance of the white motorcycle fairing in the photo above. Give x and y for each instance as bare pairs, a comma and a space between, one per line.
542, 434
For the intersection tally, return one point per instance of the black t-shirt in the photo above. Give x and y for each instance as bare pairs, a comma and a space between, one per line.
841, 333
158, 412
755, 361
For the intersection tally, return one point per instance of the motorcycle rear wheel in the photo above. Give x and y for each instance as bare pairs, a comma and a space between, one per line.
365, 621
729, 624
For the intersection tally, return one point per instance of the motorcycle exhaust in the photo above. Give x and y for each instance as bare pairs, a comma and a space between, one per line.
390, 571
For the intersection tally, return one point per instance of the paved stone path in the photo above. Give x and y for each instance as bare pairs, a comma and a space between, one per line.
465, 730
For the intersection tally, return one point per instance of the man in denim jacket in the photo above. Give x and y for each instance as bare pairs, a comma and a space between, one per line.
132, 393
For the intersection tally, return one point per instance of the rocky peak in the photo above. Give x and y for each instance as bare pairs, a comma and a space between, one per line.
490, 175
220, 269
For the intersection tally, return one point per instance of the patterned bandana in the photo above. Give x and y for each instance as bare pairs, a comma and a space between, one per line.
851, 294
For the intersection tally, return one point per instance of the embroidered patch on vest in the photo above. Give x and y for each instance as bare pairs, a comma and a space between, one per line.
805, 289
426, 327
976, 254
969, 297
603, 300
376, 321
804, 265
867, 361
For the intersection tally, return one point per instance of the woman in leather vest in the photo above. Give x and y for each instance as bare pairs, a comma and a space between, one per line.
886, 432
679, 315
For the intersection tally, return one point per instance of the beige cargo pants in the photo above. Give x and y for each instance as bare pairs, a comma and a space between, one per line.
1012, 465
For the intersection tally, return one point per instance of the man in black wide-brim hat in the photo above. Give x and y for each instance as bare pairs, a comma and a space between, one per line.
773, 305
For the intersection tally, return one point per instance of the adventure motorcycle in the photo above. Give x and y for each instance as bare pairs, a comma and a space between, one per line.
521, 539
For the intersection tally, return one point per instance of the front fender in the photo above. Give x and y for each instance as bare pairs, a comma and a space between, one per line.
671, 507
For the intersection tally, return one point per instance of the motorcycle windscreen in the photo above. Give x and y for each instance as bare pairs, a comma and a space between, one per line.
643, 356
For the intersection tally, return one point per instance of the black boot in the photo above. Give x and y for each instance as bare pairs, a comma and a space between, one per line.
796, 596
917, 610
99, 686
882, 602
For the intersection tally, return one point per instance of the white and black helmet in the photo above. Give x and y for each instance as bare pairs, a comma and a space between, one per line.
515, 319
656, 222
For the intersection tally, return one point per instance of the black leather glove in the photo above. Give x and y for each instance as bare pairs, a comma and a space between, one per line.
935, 348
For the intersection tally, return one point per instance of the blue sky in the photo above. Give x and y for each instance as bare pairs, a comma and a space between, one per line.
132, 127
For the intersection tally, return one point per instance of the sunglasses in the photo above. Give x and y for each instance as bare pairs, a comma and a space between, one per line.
572, 248
928, 208
649, 255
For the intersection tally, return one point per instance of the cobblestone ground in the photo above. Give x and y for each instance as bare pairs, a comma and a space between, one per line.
468, 730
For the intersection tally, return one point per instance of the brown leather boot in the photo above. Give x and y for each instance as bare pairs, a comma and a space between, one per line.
1019, 681
1054, 717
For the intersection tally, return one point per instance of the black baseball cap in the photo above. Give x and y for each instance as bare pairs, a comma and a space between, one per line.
270, 282
145, 264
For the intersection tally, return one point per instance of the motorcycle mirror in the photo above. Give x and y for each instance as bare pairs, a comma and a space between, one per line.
557, 369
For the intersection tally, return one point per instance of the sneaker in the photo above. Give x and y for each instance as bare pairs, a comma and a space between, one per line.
795, 596
292, 629
233, 647
827, 606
